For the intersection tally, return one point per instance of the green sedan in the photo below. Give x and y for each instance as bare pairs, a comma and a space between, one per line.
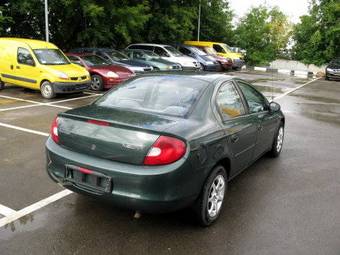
150, 58
164, 142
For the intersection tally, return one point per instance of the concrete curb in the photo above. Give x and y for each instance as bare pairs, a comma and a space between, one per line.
297, 73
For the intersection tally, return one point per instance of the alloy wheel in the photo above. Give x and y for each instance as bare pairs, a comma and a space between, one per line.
279, 140
95, 83
216, 196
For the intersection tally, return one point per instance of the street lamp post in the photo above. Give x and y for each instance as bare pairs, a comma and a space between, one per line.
46, 22
199, 21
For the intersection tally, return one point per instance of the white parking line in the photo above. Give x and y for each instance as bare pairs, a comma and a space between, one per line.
23, 129
6, 211
73, 99
36, 103
21, 99
294, 89
32, 208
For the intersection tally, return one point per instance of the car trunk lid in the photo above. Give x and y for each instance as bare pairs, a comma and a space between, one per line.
111, 133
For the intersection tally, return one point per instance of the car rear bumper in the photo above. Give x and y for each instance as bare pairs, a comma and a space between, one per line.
70, 87
148, 189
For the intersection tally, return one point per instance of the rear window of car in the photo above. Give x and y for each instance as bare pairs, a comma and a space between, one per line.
169, 95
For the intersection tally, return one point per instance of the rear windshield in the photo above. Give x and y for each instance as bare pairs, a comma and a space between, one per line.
170, 95
51, 57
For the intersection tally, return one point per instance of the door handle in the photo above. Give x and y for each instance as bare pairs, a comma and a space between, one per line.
18, 67
234, 138
11, 66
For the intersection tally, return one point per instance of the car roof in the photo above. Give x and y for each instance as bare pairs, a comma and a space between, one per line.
208, 77
33, 44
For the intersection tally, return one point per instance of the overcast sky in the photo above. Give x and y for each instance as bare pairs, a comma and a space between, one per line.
293, 8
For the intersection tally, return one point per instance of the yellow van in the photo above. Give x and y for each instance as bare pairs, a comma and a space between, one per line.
221, 49
41, 66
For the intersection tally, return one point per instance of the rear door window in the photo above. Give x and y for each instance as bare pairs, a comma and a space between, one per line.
229, 102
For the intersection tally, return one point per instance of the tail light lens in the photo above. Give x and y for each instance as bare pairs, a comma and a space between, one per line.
165, 150
54, 130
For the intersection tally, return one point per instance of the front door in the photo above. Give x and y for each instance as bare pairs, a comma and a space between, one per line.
25, 70
259, 110
241, 130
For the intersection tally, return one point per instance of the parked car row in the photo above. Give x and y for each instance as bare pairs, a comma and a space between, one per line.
42, 66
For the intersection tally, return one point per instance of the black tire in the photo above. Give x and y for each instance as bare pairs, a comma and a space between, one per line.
201, 206
202, 67
47, 90
2, 85
326, 78
97, 82
276, 148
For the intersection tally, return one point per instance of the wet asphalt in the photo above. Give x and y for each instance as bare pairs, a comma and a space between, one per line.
288, 205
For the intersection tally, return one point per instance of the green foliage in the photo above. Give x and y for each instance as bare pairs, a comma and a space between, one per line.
317, 36
216, 23
75, 23
263, 32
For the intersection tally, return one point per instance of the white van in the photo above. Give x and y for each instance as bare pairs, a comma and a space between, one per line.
168, 53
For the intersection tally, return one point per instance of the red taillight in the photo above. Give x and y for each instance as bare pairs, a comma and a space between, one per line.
99, 122
165, 150
54, 130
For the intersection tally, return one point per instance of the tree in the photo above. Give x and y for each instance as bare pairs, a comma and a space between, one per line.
216, 21
317, 36
263, 32
4, 21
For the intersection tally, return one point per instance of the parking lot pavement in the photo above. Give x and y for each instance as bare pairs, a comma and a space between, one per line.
288, 205
271, 84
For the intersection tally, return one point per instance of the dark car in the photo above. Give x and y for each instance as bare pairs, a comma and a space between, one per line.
208, 63
164, 142
104, 74
333, 70
116, 57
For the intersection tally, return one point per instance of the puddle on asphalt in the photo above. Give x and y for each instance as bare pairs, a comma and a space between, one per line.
317, 99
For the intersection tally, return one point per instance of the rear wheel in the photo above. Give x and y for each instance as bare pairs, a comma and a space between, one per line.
2, 85
47, 90
278, 142
97, 82
209, 204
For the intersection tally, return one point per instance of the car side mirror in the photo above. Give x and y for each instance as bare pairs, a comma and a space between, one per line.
274, 107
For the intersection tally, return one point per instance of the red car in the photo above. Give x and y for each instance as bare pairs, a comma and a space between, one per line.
104, 75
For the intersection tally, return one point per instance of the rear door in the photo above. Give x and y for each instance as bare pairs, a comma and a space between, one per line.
241, 130
25, 69
267, 123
